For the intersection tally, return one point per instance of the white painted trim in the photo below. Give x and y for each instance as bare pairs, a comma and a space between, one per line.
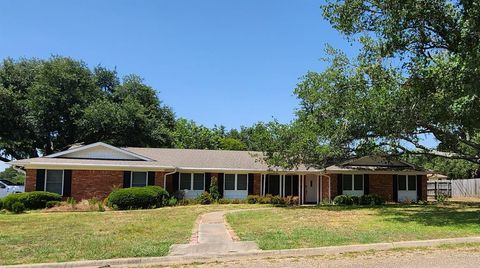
321, 188
46, 177
318, 181
353, 184
131, 177
84, 147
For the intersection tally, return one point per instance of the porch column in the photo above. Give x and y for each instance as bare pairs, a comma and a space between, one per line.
280, 185
318, 181
321, 188
303, 189
264, 184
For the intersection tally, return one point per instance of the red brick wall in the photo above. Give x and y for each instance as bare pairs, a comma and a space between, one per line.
159, 178
424, 187
95, 183
30, 180
382, 185
256, 183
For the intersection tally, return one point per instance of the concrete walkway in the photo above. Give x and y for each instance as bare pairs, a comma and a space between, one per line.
212, 235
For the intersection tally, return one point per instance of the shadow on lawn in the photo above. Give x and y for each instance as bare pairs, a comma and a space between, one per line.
434, 215
428, 215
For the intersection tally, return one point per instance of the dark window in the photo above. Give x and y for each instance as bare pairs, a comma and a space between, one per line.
229, 181
242, 180
402, 182
288, 185
198, 181
358, 182
139, 179
54, 181
273, 184
185, 181
347, 182
412, 183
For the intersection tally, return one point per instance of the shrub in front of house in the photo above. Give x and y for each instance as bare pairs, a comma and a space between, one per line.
277, 200
205, 198
371, 200
253, 199
18, 208
1, 203
267, 199
137, 197
31, 200
291, 200
343, 200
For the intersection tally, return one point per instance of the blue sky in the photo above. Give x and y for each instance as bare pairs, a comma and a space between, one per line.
217, 62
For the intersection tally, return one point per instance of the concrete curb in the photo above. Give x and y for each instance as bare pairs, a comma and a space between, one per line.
178, 260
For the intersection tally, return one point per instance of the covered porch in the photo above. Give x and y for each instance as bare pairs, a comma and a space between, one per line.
311, 188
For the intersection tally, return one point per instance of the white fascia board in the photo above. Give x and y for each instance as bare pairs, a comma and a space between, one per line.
81, 148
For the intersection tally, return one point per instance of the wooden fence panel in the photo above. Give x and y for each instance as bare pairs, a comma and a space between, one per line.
467, 187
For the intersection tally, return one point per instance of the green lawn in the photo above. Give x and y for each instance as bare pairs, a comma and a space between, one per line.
53, 237
282, 228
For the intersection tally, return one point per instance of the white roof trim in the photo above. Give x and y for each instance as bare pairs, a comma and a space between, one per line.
111, 147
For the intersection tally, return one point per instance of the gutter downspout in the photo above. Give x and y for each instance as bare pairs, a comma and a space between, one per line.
165, 177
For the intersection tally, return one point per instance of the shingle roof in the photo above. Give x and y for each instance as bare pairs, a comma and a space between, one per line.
182, 159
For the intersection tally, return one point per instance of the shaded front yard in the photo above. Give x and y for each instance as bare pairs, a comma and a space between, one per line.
53, 237
282, 228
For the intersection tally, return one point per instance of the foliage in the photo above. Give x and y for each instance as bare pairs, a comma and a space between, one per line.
1, 203
12, 175
49, 105
51, 204
205, 198
343, 200
371, 199
213, 190
441, 198
292, 200
277, 200
253, 199
172, 201
137, 197
18, 207
414, 79
31, 200
453, 168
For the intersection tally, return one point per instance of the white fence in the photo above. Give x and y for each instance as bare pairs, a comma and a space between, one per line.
467, 187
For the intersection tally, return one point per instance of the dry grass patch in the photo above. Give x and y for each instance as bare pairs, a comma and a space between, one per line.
66, 236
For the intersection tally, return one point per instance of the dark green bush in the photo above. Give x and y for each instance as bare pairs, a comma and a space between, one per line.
343, 200
355, 199
137, 197
253, 199
51, 204
1, 203
18, 207
371, 200
205, 198
224, 201
31, 200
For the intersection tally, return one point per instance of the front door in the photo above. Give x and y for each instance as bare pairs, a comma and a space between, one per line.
310, 189
407, 188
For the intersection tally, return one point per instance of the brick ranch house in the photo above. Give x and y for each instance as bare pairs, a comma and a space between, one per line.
94, 170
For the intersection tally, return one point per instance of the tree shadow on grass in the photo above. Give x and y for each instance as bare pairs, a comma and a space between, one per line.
434, 215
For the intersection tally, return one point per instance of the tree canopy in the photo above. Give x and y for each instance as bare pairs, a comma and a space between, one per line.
415, 77
49, 105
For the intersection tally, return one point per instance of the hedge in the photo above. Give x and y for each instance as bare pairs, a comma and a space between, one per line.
138, 197
366, 200
31, 200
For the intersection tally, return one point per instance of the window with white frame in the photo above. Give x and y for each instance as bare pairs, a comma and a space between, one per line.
407, 183
54, 181
352, 182
139, 179
192, 181
235, 182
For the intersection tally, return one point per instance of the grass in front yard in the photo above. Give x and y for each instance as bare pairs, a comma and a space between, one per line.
54, 237
283, 228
